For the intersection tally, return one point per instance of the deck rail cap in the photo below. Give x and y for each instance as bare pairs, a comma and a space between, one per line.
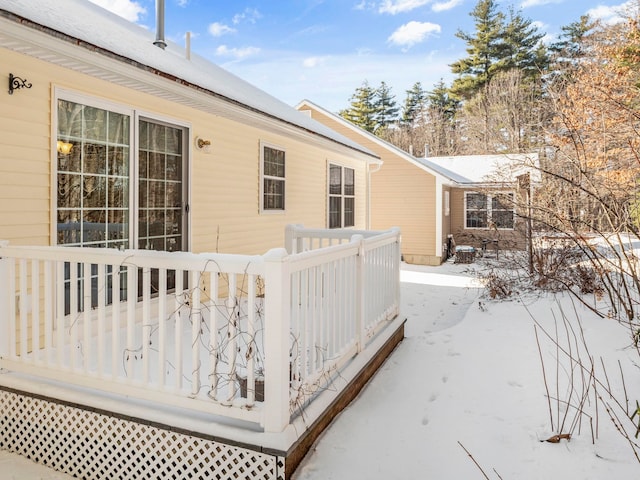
276, 255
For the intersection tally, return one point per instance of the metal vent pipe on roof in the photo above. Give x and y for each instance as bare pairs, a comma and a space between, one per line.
160, 25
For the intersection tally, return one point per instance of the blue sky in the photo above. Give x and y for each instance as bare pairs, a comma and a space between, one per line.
322, 50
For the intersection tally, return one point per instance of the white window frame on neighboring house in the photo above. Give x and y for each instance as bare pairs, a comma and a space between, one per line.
341, 193
481, 211
272, 175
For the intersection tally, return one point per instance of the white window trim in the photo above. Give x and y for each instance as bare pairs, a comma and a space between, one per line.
342, 194
262, 210
489, 197
135, 115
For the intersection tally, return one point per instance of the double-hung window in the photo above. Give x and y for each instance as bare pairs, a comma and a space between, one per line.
342, 199
489, 211
272, 172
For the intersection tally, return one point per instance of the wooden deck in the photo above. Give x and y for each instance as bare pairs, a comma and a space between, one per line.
154, 380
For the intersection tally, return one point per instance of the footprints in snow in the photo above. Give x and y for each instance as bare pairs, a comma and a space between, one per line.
432, 398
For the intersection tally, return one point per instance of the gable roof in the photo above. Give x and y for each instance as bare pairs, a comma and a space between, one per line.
127, 56
458, 170
423, 164
474, 170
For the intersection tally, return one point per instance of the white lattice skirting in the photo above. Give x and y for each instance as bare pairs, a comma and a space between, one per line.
92, 445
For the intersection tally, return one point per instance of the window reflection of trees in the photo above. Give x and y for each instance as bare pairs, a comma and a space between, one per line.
93, 185
160, 187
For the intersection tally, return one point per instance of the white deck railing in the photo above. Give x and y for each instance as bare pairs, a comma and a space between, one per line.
247, 337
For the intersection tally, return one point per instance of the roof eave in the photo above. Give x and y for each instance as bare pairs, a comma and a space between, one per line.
175, 88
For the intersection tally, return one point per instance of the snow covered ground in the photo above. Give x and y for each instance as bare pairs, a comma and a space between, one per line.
468, 376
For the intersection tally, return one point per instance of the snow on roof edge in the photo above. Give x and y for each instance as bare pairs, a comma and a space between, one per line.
100, 28
435, 169
482, 166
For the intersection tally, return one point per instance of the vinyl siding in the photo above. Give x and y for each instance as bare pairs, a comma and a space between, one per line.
224, 184
25, 183
402, 195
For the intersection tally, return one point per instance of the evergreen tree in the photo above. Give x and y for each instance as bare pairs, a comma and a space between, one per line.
485, 49
441, 113
385, 105
522, 48
414, 104
572, 45
363, 109
440, 99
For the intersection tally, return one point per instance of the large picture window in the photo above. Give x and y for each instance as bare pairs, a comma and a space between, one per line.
99, 197
93, 207
95, 176
342, 199
489, 211
272, 168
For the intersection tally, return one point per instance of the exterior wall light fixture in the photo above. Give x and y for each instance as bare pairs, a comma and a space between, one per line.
202, 144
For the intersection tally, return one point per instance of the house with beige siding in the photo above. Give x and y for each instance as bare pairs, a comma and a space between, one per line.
488, 198
121, 143
190, 282
438, 201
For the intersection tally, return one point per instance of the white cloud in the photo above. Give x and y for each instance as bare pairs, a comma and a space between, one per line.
612, 14
443, 6
413, 32
366, 5
398, 6
251, 15
218, 29
537, 3
312, 62
127, 9
541, 26
237, 53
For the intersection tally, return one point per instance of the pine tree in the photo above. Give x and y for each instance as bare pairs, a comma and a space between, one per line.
441, 117
414, 104
522, 48
362, 111
572, 45
440, 98
485, 49
386, 108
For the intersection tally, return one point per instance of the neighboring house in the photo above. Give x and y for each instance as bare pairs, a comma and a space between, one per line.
488, 197
435, 200
132, 362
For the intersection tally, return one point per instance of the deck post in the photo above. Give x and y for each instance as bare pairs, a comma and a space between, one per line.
4, 302
277, 310
360, 295
292, 242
